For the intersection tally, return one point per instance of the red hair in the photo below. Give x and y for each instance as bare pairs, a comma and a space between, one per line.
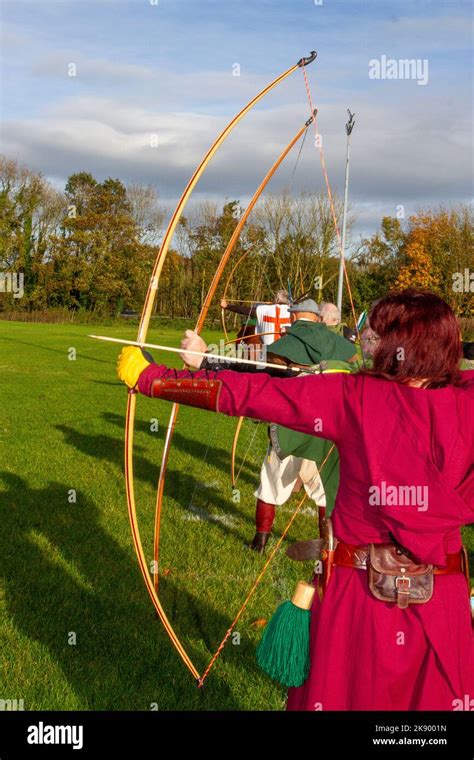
419, 339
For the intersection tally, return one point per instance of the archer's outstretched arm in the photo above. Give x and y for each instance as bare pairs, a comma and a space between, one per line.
313, 404
237, 308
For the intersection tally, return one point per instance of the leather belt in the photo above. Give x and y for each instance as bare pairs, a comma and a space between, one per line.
347, 555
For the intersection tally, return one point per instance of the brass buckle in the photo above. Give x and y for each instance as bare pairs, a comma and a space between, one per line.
402, 583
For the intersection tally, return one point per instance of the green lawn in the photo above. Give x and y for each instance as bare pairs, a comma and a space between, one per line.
68, 568
77, 629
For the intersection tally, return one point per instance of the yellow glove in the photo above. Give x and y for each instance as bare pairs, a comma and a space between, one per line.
131, 363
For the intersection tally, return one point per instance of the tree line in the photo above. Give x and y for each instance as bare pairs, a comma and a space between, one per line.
91, 248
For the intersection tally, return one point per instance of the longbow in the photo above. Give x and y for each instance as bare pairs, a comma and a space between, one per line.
142, 334
199, 325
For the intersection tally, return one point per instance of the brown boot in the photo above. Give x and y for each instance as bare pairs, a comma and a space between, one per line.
259, 542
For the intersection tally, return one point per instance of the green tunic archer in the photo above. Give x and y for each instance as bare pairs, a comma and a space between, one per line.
312, 344
309, 343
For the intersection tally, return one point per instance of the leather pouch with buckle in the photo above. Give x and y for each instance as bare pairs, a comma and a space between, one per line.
394, 577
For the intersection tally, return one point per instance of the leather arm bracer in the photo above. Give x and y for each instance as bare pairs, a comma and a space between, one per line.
202, 393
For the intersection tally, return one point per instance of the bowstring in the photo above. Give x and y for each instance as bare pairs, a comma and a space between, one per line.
256, 426
331, 199
265, 274
297, 161
258, 580
282, 537
293, 174
338, 235
234, 484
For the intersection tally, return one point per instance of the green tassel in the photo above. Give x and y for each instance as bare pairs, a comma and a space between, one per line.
283, 652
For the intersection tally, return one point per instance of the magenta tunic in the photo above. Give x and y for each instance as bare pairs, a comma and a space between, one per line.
367, 654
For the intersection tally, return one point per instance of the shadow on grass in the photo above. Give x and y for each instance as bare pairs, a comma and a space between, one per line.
61, 351
218, 455
63, 575
193, 496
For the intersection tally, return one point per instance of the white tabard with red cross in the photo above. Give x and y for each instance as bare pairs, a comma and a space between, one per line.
273, 319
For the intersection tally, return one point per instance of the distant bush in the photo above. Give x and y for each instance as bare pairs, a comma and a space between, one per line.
82, 317
467, 328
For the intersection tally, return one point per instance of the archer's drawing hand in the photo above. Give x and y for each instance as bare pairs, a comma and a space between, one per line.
131, 363
192, 342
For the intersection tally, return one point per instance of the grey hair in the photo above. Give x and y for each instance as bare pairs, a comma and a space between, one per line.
281, 296
329, 311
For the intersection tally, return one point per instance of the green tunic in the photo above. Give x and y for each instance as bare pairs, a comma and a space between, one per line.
312, 343
286, 442
309, 343
339, 328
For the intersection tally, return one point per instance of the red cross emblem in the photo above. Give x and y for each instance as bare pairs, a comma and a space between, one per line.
278, 321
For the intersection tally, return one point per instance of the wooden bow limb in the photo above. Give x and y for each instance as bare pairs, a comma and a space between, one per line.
200, 323
201, 679
234, 451
141, 338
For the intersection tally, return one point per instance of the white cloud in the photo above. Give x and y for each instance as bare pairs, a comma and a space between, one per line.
398, 154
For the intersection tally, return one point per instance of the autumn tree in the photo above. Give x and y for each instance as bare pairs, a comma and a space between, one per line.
97, 259
437, 250
30, 210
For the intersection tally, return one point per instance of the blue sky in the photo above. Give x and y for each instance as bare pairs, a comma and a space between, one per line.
167, 69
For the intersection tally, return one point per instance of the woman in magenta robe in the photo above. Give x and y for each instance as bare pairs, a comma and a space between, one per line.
408, 422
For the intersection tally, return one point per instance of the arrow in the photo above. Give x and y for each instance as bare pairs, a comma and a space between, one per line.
182, 351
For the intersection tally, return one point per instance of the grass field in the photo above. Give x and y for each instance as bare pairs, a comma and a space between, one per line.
77, 628
69, 571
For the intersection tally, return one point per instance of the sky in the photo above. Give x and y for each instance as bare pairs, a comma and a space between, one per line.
156, 80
